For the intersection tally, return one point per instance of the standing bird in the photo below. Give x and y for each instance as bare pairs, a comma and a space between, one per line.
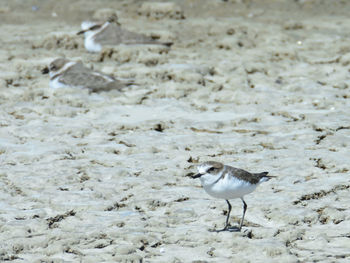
227, 182
111, 33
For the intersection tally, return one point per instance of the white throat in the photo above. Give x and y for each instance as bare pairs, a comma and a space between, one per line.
90, 44
210, 179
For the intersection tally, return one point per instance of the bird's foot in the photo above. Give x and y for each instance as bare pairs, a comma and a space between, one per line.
226, 228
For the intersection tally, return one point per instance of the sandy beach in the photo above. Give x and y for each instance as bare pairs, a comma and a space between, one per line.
103, 177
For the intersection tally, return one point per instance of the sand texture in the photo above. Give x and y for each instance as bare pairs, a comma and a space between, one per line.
103, 177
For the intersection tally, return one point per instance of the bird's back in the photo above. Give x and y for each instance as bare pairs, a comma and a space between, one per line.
252, 178
114, 34
80, 76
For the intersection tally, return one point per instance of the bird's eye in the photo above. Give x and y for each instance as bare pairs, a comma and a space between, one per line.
211, 169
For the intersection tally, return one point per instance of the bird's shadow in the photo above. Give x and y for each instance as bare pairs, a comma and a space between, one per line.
228, 229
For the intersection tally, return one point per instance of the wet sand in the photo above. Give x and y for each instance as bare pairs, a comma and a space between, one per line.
263, 86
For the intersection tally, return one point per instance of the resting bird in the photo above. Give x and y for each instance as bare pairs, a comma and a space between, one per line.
111, 33
66, 73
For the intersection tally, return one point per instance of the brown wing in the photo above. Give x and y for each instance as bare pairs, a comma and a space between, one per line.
80, 76
110, 35
117, 35
244, 175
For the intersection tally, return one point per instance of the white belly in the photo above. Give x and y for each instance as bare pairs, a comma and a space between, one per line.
91, 45
56, 84
229, 188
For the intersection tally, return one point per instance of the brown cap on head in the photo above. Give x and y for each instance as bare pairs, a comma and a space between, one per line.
113, 19
57, 64
216, 165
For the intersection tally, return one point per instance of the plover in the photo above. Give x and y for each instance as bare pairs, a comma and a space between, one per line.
111, 33
227, 182
66, 73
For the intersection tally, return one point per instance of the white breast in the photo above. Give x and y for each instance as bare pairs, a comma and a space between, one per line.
90, 43
229, 188
56, 84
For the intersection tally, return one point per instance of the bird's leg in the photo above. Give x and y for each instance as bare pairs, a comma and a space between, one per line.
228, 214
227, 226
244, 209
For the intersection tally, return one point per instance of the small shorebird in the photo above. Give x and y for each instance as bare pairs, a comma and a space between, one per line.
111, 33
227, 182
66, 73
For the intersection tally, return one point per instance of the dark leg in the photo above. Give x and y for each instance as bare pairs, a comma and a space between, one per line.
228, 214
244, 209
227, 226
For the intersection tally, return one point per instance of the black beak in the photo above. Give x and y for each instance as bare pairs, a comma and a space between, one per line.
197, 176
81, 32
45, 70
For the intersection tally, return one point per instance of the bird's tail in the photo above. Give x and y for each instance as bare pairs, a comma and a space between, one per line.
151, 42
264, 176
131, 83
167, 44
